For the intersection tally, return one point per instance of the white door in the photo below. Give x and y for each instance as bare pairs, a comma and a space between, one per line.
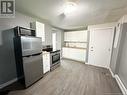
100, 47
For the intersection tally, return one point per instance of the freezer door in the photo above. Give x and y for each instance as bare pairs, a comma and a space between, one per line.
33, 68
31, 45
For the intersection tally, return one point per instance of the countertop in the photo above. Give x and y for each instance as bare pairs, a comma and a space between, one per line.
45, 52
54, 51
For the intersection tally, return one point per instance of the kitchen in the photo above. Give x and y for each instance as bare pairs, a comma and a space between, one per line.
46, 43
53, 48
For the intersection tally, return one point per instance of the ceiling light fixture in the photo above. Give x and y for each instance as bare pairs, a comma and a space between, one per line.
69, 7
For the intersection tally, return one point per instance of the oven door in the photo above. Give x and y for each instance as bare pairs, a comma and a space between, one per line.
55, 58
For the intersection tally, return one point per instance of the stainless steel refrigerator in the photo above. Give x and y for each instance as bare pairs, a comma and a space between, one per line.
28, 55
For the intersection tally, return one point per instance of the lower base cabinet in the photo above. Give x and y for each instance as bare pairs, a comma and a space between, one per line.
46, 62
74, 54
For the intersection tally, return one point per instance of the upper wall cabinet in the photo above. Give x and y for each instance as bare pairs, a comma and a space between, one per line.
40, 29
75, 36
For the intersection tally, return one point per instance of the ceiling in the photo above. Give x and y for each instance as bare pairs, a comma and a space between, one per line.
87, 12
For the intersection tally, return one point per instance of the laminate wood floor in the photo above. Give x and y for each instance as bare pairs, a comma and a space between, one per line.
74, 78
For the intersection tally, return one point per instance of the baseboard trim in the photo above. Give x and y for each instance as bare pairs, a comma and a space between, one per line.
87, 63
74, 60
111, 73
8, 83
121, 85
97, 66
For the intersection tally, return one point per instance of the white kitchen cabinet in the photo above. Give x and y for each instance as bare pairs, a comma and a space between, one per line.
74, 53
46, 62
40, 29
68, 36
76, 36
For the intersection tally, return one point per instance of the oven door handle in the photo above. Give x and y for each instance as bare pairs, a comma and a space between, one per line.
56, 54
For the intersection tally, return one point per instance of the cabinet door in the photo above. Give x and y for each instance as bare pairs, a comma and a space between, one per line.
78, 54
75, 54
81, 36
46, 63
66, 53
65, 36
77, 36
40, 31
68, 36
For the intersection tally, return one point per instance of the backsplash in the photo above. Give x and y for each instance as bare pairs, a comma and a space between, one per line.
71, 44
